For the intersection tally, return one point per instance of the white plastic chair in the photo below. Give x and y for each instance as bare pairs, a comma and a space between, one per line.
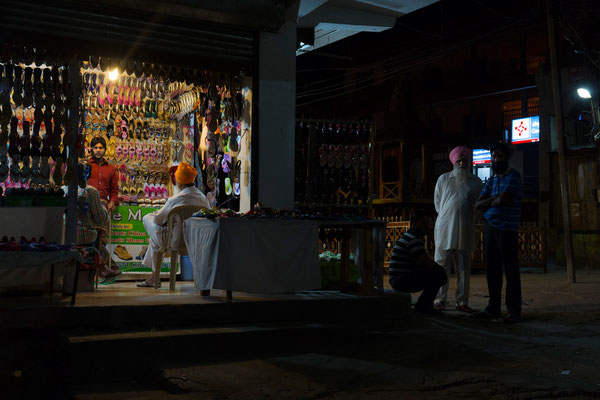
177, 245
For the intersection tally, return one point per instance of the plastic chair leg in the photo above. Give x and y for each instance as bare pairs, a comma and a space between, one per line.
173, 269
156, 273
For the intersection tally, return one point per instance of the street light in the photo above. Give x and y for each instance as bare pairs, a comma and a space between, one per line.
585, 93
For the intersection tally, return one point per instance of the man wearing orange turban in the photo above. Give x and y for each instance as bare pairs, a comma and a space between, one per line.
156, 223
455, 195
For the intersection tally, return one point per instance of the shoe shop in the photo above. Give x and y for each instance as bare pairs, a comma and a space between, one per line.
150, 90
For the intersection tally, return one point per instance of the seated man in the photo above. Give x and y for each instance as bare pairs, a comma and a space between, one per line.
91, 217
411, 270
156, 223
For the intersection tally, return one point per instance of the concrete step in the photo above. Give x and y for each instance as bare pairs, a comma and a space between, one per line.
113, 356
325, 308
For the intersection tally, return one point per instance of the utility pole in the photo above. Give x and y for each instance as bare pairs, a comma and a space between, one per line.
562, 165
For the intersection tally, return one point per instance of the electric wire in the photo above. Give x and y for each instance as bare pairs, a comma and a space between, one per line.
405, 67
406, 59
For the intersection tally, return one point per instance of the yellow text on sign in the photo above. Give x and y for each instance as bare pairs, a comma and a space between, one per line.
122, 226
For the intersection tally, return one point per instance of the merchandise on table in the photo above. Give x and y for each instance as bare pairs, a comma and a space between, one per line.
33, 244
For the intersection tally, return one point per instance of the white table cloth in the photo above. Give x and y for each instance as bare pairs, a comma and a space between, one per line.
21, 259
32, 222
253, 255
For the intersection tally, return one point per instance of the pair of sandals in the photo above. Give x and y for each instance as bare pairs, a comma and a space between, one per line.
441, 306
40, 170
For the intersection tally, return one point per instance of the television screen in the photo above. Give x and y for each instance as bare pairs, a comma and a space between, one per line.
525, 130
481, 156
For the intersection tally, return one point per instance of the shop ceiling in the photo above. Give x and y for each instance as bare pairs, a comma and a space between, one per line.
333, 20
183, 32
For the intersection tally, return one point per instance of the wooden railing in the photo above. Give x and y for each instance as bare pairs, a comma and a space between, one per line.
531, 242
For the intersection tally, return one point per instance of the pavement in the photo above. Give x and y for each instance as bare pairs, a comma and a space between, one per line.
553, 353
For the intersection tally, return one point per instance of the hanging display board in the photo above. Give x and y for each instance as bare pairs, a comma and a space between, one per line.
332, 167
129, 241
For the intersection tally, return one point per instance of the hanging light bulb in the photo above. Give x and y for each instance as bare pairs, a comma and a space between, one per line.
113, 75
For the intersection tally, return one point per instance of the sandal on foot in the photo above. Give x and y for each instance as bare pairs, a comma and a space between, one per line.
146, 284
464, 308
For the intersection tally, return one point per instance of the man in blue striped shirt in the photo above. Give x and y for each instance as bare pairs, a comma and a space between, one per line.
501, 199
411, 270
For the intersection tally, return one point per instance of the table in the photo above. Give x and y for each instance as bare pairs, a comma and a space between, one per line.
278, 256
254, 255
368, 245
31, 259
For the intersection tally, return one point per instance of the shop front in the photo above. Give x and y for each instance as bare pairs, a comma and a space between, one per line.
182, 92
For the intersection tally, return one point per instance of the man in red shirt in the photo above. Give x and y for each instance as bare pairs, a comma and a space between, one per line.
104, 176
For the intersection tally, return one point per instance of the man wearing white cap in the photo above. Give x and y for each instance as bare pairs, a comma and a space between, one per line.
455, 195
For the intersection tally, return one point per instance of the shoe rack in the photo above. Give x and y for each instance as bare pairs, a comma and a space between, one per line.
154, 117
35, 128
333, 164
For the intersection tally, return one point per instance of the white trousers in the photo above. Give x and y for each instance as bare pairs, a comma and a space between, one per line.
158, 241
463, 274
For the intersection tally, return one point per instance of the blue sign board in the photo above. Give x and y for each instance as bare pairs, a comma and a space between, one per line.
481, 156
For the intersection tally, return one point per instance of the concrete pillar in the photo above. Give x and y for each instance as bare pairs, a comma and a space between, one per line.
276, 113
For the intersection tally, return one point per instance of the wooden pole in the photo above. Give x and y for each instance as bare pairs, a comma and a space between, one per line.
564, 181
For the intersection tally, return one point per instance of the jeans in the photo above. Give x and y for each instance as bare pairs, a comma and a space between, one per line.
501, 253
427, 278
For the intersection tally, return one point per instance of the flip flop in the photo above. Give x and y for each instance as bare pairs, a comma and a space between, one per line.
57, 173
14, 168
69, 173
145, 284
25, 170
228, 188
109, 280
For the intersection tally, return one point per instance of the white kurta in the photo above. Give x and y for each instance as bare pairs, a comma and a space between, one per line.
455, 205
455, 231
156, 223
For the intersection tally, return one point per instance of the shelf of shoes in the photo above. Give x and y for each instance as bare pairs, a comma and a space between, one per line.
222, 130
150, 124
34, 124
332, 164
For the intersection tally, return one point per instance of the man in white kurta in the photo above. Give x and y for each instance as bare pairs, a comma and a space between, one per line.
455, 195
156, 223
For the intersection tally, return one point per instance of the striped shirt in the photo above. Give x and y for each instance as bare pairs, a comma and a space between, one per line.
405, 255
504, 218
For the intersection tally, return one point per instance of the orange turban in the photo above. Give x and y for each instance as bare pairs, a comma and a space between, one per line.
185, 173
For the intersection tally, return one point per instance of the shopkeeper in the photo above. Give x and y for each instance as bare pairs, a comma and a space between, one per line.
104, 176
156, 223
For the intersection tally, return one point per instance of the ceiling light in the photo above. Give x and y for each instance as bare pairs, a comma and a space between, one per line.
113, 75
